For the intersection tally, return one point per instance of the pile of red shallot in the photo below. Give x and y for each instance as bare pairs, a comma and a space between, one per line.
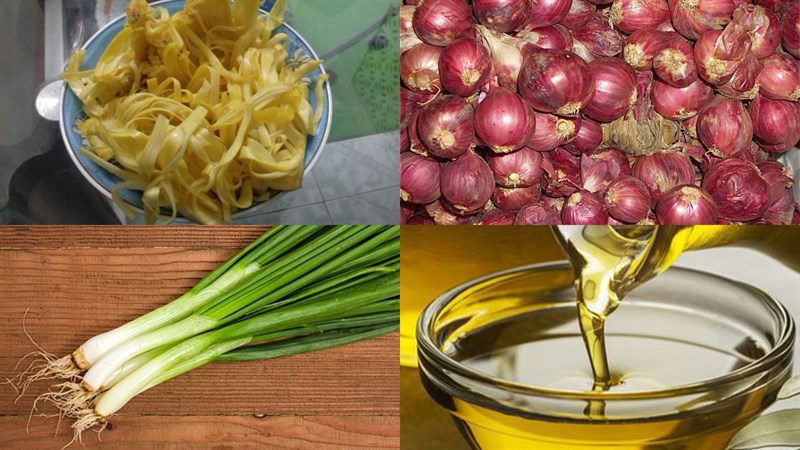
598, 111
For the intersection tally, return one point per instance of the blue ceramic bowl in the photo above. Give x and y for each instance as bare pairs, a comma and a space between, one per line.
72, 108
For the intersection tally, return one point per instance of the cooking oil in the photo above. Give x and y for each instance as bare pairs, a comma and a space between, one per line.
643, 386
435, 259
514, 374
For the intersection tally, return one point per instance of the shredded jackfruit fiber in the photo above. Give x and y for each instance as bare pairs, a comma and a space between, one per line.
203, 111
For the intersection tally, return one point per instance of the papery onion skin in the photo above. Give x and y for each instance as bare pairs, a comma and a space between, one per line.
717, 56
686, 205
414, 141
641, 47
496, 217
522, 168
674, 63
537, 214
441, 215
580, 11
556, 82
419, 68
781, 211
661, 171
553, 37
409, 103
779, 78
506, 57
776, 123
404, 142
418, 219
600, 167
553, 131
553, 202
467, 183
778, 178
753, 153
724, 127
738, 189
502, 15
440, 22
419, 178
583, 208
763, 27
599, 37
775, 6
680, 103
743, 85
445, 126
464, 67
589, 137
692, 18
504, 121
408, 38
627, 200
514, 199
790, 34
563, 172
632, 15
548, 12
614, 89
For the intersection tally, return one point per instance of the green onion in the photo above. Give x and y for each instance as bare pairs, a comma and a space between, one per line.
295, 289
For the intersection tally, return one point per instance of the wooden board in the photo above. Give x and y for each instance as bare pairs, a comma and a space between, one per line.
75, 282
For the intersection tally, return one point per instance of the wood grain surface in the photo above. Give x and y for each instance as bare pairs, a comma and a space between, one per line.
71, 283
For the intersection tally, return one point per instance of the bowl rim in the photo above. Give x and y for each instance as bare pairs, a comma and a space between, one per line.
426, 346
239, 214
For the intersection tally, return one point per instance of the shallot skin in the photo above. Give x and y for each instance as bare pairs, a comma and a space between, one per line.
445, 126
583, 208
627, 200
776, 123
632, 15
779, 78
692, 18
614, 89
419, 178
467, 183
537, 214
680, 103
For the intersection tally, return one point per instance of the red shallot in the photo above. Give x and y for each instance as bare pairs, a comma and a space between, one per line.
537, 214
513, 199
776, 123
680, 103
504, 121
419, 68
556, 81
553, 37
686, 205
496, 217
692, 18
779, 78
563, 172
743, 85
632, 15
553, 131
445, 126
724, 127
614, 89
674, 63
502, 15
641, 47
589, 137
598, 37
440, 22
506, 57
661, 171
762, 26
718, 53
600, 167
408, 38
464, 67
790, 32
583, 208
738, 189
467, 183
580, 11
522, 168
419, 178
547, 12
627, 200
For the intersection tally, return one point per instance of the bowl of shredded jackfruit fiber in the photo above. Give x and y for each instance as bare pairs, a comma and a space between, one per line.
195, 109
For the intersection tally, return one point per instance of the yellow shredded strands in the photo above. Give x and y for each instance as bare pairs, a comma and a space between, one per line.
203, 111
